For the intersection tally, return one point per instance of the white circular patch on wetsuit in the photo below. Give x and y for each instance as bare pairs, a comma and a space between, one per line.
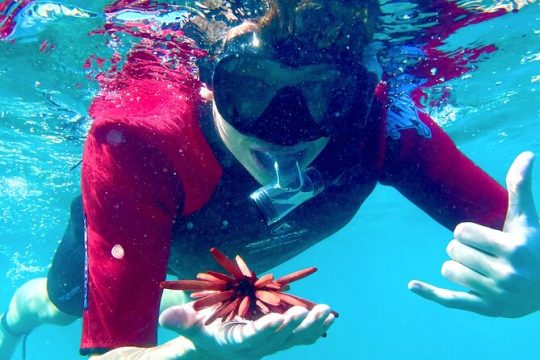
117, 251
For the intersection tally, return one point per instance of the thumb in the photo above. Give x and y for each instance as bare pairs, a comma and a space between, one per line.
519, 185
182, 319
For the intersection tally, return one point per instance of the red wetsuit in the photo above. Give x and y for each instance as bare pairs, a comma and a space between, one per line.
159, 190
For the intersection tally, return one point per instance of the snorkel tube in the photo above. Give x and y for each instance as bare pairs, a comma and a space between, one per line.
291, 187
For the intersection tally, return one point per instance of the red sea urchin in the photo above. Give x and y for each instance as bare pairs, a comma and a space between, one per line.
241, 293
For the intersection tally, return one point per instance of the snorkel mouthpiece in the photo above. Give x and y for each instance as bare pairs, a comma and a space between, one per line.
291, 188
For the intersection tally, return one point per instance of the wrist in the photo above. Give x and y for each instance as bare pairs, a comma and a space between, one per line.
184, 349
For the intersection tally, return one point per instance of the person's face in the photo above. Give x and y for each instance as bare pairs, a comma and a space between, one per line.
280, 106
244, 148
287, 110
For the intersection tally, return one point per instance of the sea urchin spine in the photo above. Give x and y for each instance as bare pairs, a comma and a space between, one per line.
241, 293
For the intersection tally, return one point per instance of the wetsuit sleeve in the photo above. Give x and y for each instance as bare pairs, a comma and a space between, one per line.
130, 199
145, 161
428, 169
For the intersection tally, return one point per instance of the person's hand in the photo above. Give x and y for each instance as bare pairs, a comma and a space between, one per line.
249, 339
501, 269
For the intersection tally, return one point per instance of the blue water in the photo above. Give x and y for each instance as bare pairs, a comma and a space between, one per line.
493, 114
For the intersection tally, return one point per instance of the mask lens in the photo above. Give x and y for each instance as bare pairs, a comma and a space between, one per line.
246, 86
330, 92
239, 94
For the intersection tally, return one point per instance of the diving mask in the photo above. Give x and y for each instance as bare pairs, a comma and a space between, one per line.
287, 105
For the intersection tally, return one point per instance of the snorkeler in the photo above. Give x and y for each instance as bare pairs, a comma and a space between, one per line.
279, 154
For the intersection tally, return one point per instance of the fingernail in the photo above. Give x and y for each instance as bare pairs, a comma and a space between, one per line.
450, 246
444, 268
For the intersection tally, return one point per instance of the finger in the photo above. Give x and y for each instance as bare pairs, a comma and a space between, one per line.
257, 331
449, 298
474, 259
170, 298
519, 186
292, 319
466, 277
313, 327
491, 241
327, 323
182, 319
270, 333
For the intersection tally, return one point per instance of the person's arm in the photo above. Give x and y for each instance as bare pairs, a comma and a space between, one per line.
495, 253
248, 339
145, 147
176, 349
430, 171
499, 268
131, 196
130, 199
239, 340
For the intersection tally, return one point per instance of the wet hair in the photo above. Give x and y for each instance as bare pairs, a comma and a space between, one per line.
304, 32
310, 31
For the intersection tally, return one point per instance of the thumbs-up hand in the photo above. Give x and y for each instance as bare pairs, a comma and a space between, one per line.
501, 269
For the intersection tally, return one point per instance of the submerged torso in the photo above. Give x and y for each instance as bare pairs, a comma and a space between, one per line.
231, 222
